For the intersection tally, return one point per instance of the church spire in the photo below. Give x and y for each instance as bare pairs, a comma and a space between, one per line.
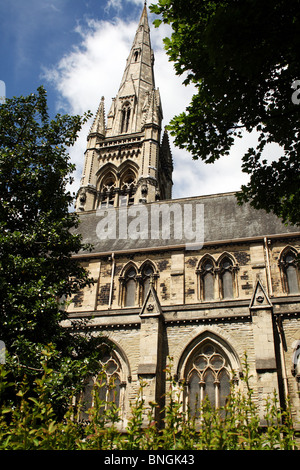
125, 162
128, 108
140, 61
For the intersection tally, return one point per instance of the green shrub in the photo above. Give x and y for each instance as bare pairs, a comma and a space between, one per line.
31, 423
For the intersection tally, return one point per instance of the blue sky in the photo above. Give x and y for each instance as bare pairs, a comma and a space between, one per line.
78, 49
37, 33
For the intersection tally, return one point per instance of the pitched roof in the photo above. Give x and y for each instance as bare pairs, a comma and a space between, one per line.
188, 222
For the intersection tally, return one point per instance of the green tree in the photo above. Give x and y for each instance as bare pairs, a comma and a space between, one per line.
243, 56
38, 273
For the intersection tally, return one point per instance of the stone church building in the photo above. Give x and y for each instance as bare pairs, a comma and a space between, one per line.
200, 280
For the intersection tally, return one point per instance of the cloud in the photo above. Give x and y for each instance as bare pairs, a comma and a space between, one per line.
95, 68
119, 4
91, 70
115, 4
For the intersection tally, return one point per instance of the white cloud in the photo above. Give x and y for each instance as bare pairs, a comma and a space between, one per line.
116, 4
92, 70
119, 4
95, 69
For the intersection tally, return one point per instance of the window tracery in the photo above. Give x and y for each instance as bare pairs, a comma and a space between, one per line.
107, 388
110, 382
208, 377
217, 279
128, 189
128, 286
108, 192
117, 187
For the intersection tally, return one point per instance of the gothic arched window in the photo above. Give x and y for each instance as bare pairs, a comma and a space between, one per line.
107, 192
208, 378
127, 190
125, 118
130, 288
109, 382
147, 274
207, 279
226, 278
105, 389
290, 271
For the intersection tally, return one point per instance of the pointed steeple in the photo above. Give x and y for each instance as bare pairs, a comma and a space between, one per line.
139, 65
136, 86
125, 154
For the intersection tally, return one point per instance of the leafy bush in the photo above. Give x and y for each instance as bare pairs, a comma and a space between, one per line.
33, 424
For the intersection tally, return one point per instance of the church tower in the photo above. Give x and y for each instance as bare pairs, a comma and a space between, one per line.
128, 158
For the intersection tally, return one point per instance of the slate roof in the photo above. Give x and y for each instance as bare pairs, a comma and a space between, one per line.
220, 218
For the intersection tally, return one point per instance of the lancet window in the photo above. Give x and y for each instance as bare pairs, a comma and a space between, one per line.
226, 278
130, 288
147, 276
207, 279
125, 118
290, 271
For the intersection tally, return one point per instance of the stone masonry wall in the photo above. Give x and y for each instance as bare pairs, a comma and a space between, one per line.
269, 347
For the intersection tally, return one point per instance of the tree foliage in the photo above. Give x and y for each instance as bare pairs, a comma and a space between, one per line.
38, 273
243, 56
